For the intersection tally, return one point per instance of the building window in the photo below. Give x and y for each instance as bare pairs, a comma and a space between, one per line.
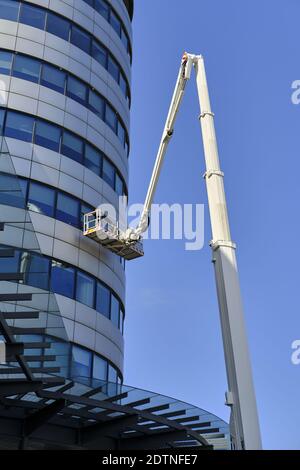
72, 146
11, 263
2, 119
58, 26
26, 68
84, 209
123, 84
37, 270
103, 300
19, 126
115, 22
76, 90
119, 186
33, 16
67, 209
99, 54
111, 118
96, 104
9, 10
108, 173
41, 199
82, 362
85, 289
113, 68
10, 191
47, 135
102, 8
121, 133
53, 78
5, 62
114, 311
62, 279
99, 368
93, 160
80, 39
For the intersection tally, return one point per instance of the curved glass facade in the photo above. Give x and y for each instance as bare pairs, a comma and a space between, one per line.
62, 278
46, 20
75, 362
65, 92
28, 128
41, 73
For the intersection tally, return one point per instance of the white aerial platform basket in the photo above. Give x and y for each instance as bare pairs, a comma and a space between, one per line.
106, 232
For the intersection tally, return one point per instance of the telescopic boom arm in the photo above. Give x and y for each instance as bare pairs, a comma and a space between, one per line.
241, 396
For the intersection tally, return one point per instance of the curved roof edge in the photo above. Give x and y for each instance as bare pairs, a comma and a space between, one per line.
129, 6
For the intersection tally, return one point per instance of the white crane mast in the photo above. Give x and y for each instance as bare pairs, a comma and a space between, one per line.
240, 397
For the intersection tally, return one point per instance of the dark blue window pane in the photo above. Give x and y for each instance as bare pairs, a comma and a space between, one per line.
33, 16
89, 2
115, 311
113, 68
124, 39
119, 186
121, 133
9, 10
67, 209
2, 117
96, 104
41, 199
76, 90
23, 186
111, 118
102, 8
5, 62
99, 54
37, 270
112, 374
103, 300
115, 22
10, 264
99, 368
62, 279
84, 209
19, 126
26, 68
93, 159
82, 362
121, 323
85, 289
47, 135
80, 39
10, 191
58, 26
108, 173
72, 146
53, 78
123, 84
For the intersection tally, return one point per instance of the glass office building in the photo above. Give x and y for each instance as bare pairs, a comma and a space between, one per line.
65, 70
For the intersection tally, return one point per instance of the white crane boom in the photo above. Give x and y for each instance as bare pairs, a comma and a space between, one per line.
240, 397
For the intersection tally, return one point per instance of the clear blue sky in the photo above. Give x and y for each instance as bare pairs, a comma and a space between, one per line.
172, 333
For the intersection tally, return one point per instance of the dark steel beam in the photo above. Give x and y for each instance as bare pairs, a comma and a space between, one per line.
15, 297
12, 387
111, 428
34, 370
20, 315
36, 345
15, 330
11, 276
157, 441
7, 253
40, 417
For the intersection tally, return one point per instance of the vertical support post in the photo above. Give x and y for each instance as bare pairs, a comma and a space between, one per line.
241, 396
